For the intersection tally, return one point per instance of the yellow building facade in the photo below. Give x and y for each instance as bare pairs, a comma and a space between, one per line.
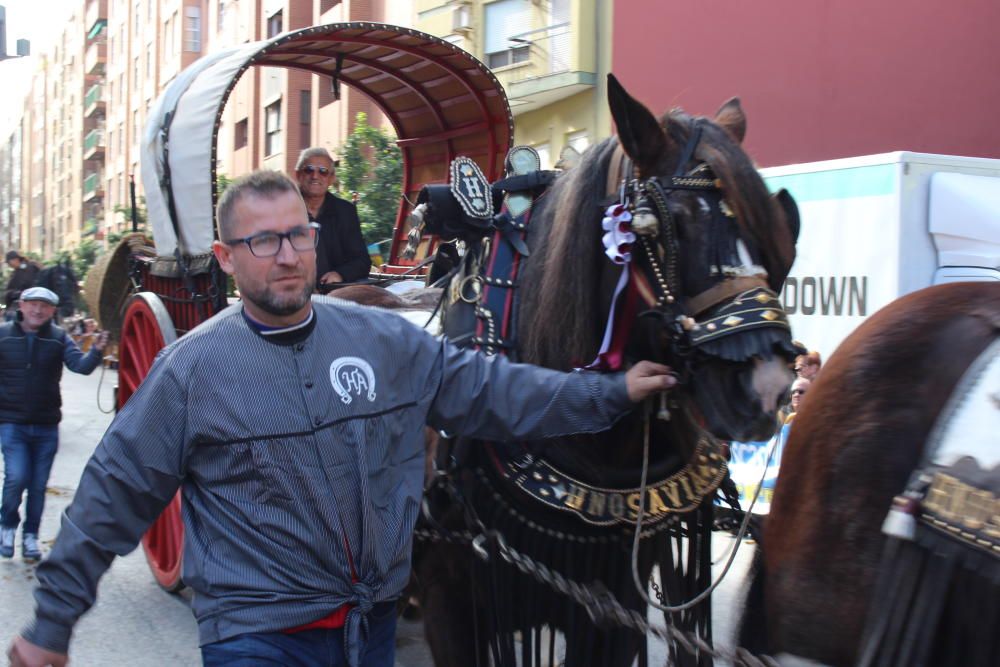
552, 57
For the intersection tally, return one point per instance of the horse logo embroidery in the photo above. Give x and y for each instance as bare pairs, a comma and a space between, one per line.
352, 376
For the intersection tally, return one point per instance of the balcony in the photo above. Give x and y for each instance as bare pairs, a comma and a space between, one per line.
93, 101
93, 144
92, 188
95, 57
543, 66
95, 19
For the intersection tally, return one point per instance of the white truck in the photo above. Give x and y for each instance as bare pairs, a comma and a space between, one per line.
874, 228
880, 226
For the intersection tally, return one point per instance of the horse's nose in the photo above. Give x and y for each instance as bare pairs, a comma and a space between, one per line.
771, 379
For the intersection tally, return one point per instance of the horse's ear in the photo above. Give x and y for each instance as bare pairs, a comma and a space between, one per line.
730, 117
785, 203
639, 132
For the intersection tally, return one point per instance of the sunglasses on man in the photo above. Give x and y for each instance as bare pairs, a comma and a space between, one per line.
311, 169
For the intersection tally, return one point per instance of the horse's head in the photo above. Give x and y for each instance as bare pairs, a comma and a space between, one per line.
706, 248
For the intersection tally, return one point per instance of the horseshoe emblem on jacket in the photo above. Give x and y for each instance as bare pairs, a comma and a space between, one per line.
352, 376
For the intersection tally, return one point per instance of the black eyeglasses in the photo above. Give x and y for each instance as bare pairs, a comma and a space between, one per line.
798, 392
311, 169
268, 244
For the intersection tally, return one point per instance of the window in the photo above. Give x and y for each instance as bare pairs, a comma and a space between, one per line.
240, 135
543, 155
506, 19
327, 5
220, 18
274, 24
578, 140
272, 129
305, 118
149, 62
170, 36
192, 29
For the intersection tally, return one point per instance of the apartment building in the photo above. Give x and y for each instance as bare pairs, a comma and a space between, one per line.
10, 191
271, 114
86, 113
552, 57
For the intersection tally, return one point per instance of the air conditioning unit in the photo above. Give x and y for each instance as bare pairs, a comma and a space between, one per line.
461, 17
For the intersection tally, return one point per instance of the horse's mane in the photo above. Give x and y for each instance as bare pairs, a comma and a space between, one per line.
560, 320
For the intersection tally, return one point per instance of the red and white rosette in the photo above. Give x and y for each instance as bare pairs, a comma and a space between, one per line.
618, 239
618, 236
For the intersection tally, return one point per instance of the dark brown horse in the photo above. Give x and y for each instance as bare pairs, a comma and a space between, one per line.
855, 442
713, 248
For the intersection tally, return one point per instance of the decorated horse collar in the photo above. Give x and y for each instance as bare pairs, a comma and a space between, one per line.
680, 492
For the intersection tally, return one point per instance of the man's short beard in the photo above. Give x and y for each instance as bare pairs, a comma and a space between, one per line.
269, 303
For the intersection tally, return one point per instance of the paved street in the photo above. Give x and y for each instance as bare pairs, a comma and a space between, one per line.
135, 623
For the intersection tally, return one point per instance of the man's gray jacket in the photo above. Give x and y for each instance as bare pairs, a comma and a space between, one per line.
285, 452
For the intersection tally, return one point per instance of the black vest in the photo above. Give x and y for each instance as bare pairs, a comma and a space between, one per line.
29, 387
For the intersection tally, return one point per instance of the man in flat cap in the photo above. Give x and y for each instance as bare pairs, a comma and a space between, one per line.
32, 353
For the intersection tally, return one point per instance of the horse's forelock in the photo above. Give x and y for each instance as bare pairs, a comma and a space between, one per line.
749, 198
560, 320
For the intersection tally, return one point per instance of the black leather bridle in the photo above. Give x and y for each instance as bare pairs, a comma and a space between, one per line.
734, 304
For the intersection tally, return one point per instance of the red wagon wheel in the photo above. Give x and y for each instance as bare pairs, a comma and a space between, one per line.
147, 329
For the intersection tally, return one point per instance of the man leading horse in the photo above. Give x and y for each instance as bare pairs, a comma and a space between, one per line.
291, 424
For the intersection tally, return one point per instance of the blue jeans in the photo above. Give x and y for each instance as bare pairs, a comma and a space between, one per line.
28, 452
309, 648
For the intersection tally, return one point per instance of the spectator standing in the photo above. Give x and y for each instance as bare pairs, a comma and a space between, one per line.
799, 389
342, 256
24, 276
33, 351
294, 427
807, 365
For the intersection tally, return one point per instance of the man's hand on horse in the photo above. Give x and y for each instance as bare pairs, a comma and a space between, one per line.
647, 378
23, 653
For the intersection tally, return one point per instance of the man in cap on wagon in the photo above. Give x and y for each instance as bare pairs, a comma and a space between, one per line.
33, 351
293, 425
